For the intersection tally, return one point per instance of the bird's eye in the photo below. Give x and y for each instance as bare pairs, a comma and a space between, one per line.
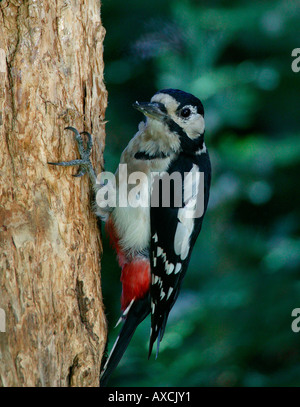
185, 112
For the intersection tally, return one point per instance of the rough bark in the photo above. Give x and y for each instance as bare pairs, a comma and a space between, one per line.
50, 247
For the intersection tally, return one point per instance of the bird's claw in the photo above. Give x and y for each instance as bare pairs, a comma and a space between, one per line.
84, 162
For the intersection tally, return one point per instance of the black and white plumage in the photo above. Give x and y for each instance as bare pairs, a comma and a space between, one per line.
154, 243
172, 239
173, 233
170, 141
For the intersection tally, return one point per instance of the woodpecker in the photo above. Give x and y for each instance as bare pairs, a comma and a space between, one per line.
154, 243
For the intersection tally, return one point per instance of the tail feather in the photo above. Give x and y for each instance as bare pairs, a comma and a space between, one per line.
137, 313
157, 334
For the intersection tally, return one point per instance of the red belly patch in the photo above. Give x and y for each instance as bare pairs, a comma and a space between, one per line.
135, 279
135, 276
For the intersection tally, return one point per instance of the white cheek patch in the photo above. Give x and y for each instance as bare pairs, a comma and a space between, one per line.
192, 126
195, 126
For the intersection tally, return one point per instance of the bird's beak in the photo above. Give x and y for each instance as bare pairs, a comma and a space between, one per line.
150, 109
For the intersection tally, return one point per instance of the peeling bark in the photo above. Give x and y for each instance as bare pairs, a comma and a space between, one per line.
50, 246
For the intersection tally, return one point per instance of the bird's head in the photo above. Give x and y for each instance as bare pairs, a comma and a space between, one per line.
176, 112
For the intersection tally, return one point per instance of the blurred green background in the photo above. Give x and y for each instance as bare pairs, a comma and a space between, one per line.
231, 325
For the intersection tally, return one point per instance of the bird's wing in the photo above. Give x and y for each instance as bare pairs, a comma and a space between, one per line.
173, 234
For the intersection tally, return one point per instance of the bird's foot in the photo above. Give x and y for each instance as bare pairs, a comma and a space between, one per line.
84, 163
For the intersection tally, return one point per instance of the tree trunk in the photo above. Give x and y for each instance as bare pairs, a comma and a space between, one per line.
51, 76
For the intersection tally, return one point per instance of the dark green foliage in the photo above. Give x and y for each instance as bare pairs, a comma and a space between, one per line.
231, 325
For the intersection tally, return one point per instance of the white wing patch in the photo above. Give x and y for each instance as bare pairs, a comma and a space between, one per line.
177, 268
185, 214
155, 238
157, 280
162, 294
169, 292
169, 268
181, 241
154, 279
